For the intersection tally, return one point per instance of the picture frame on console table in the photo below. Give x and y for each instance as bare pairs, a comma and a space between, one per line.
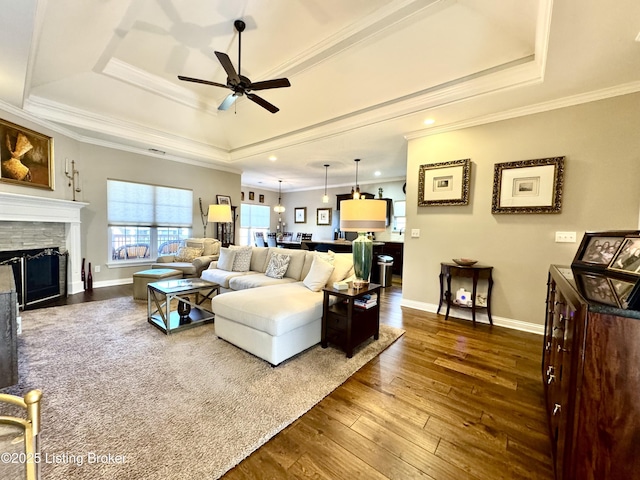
597, 249
596, 288
26, 157
627, 257
528, 186
444, 183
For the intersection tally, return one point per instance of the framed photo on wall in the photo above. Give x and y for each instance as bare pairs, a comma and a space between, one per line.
261, 198
223, 200
300, 214
323, 216
445, 183
26, 157
528, 186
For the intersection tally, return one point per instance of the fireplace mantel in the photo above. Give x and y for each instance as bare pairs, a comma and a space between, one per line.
26, 208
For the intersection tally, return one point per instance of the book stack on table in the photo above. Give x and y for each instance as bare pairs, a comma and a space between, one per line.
366, 301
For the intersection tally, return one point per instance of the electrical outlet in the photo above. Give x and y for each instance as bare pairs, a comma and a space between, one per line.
415, 233
96, 269
565, 237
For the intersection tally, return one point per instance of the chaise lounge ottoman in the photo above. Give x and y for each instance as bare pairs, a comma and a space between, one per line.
273, 323
145, 277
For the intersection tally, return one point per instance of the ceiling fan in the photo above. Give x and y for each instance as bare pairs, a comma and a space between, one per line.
239, 84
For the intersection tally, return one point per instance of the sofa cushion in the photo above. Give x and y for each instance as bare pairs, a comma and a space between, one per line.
223, 277
210, 246
262, 308
318, 275
225, 262
242, 260
259, 259
278, 265
343, 263
295, 264
188, 254
255, 280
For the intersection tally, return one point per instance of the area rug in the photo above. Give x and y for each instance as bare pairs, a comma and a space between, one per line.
122, 400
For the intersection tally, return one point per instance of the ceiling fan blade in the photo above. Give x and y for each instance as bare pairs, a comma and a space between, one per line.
197, 80
277, 83
227, 102
228, 67
262, 102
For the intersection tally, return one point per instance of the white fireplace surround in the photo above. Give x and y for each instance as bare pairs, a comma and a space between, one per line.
26, 208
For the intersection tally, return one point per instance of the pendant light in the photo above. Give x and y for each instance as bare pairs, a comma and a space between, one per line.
356, 193
325, 197
279, 208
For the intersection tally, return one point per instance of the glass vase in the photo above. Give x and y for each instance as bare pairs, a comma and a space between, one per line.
362, 248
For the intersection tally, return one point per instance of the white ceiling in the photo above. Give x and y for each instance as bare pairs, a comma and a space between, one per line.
365, 74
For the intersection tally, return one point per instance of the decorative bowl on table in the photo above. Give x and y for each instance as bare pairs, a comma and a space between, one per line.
465, 262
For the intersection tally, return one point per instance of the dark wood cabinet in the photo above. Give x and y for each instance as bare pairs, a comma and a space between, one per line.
8, 328
395, 250
226, 232
591, 375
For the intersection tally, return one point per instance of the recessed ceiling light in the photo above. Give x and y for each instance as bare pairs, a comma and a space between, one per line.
429, 121
378, 173
273, 158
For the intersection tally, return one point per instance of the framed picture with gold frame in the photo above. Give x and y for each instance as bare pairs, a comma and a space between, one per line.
444, 183
323, 216
26, 157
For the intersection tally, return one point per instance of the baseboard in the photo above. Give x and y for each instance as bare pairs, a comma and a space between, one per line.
113, 283
481, 317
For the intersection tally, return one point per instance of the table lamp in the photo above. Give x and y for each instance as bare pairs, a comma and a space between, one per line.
219, 214
362, 216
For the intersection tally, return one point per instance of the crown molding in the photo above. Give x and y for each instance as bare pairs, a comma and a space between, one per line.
603, 94
158, 86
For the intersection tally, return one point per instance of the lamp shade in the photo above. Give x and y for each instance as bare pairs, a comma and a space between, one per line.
363, 215
219, 213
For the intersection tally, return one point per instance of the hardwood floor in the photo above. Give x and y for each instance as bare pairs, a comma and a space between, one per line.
446, 401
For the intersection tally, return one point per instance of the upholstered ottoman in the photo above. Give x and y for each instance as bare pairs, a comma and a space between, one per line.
145, 277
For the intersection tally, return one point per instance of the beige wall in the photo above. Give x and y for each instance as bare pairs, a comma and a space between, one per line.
96, 164
601, 143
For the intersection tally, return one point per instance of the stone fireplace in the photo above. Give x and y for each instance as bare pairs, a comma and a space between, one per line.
28, 222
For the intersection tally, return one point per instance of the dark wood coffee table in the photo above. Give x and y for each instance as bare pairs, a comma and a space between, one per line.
188, 313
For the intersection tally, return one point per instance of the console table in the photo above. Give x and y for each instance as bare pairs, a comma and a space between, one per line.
475, 272
345, 324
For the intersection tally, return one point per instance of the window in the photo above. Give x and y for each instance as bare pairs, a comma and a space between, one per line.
145, 220
399, 218
253, 218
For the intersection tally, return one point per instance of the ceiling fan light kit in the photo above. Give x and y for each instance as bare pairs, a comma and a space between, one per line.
238, 83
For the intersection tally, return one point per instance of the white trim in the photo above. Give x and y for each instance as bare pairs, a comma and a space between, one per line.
25, 208
481, 317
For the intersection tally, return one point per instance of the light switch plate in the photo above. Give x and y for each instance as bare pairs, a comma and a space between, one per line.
565, 237
415, 233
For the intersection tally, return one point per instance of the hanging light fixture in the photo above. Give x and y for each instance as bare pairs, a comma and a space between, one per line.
325, 197
279, 208
356, 193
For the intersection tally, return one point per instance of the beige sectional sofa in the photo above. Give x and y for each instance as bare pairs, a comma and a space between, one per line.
274, 318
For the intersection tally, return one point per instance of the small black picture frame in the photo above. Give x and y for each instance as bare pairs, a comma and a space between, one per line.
597, 288
633, 299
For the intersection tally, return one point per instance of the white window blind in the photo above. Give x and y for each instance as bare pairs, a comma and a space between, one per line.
254, 216
139, 204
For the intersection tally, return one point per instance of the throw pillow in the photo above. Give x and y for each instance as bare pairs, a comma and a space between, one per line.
242, 262
318, 275
343, 263
225, 262
278, 265
188, 254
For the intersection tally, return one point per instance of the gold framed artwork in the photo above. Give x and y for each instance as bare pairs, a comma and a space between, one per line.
300, 214
26, 157
323, 216
528, 186
444, 183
